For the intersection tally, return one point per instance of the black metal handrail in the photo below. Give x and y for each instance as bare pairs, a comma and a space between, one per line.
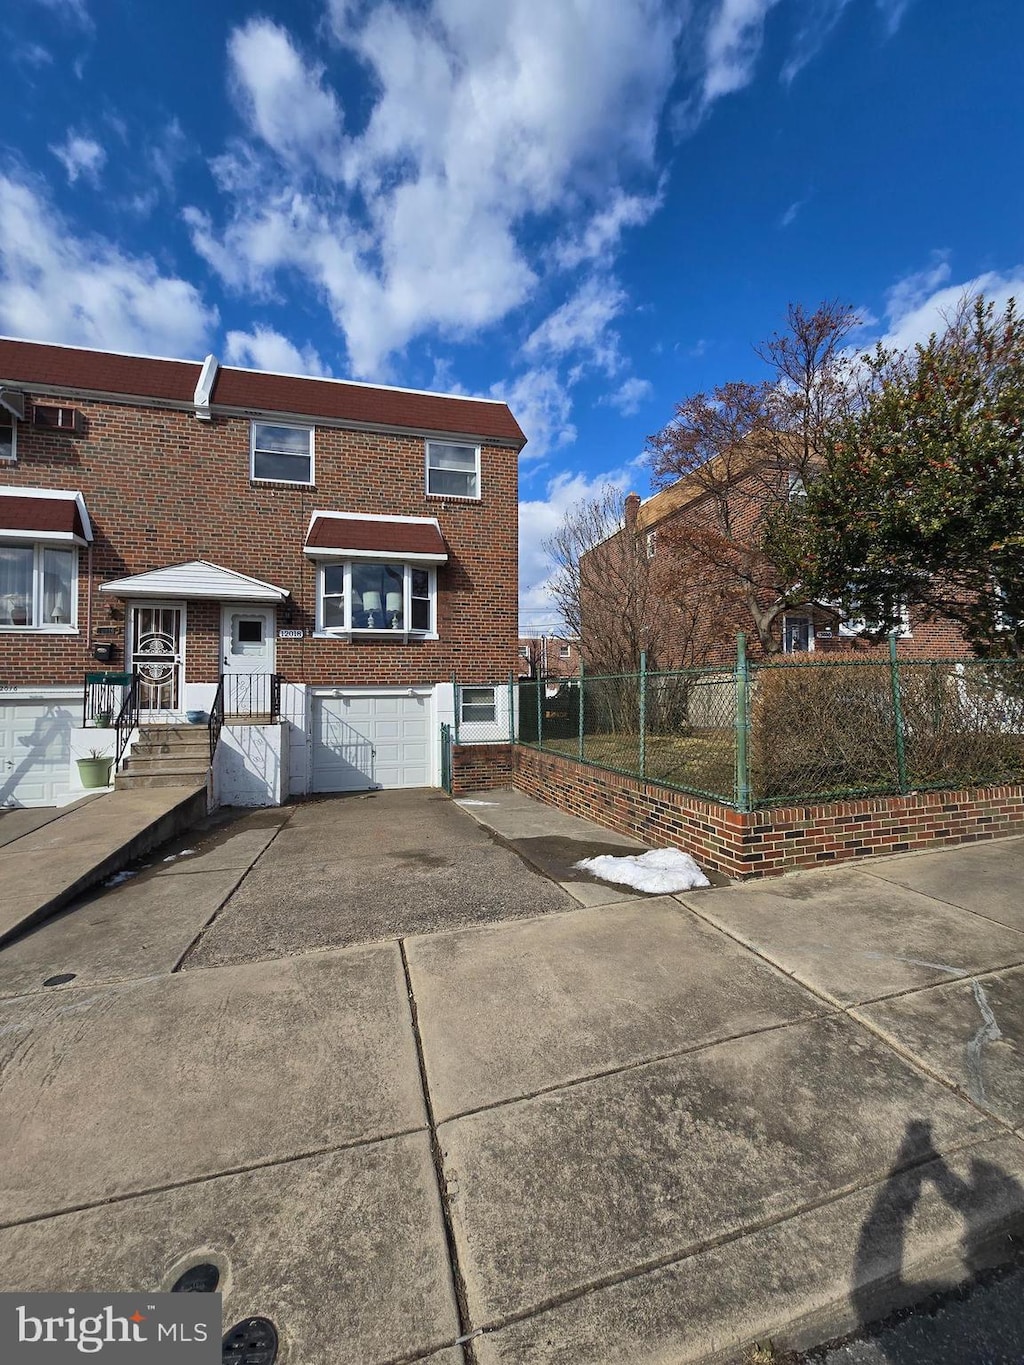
252, 696
216, 720
127, 720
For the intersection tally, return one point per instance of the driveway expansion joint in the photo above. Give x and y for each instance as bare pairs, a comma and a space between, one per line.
209, 1176
440, 1176
671, 1258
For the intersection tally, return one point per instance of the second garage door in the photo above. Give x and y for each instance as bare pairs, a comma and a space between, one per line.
363, 741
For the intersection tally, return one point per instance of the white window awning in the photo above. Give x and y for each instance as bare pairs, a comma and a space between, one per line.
196, 579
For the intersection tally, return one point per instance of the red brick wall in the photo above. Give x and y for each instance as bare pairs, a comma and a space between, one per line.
162, 488
767, 842
480, 767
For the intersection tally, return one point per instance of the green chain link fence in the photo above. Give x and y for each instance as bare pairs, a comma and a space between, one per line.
765, 734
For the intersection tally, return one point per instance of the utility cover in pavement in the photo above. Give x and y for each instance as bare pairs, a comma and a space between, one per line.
61, 979
198, 1279
252, 1342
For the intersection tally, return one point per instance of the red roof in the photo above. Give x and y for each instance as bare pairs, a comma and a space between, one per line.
350, 535
64, 367
40, 514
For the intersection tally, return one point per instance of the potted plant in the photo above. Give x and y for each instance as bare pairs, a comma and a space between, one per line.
94, 769
103, 719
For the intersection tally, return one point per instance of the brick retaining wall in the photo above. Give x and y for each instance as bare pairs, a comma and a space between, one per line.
767, 842
480, 767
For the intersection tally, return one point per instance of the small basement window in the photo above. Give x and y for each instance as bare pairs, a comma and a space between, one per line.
477, 704
281, 454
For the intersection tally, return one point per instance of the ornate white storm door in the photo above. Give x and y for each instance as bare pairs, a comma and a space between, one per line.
157, 655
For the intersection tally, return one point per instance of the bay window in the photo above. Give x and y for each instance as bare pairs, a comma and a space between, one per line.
371, 596
38, 588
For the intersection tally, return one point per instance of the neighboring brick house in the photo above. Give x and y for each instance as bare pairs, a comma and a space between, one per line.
660, 527
549, 656
194, 520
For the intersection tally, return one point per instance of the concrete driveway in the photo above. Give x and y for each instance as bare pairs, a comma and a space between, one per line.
419, 1100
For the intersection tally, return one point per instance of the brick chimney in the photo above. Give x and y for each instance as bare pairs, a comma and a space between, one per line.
633, 501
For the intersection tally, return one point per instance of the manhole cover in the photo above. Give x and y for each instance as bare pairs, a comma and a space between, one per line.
198, 1279
61, 979
252, 1342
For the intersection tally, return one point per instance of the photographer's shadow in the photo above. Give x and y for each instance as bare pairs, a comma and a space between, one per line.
879, 1284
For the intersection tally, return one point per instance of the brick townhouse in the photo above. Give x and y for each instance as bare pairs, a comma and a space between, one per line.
657, 526
188, 521
548, 656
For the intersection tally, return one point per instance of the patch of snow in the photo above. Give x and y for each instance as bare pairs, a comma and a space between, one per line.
183, 854
476, 803
661, 871
118, 878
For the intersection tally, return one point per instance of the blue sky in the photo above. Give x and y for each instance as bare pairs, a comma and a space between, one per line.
592, 208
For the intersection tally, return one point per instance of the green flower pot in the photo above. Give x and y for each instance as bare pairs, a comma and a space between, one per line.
94, 772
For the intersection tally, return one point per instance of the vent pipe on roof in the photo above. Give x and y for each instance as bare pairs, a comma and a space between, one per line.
204, 389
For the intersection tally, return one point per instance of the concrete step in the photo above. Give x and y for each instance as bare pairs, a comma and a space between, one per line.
174, 746
171, 733
155, 777
171, 763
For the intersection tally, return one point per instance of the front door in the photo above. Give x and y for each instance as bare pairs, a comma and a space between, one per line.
158, 655
247, 659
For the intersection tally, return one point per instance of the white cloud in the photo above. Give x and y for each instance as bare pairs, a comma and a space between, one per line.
74, 11
80, 156
598, 239
817, 22
732, 46
265, 349
484, 117
543, 408
87, 291
283, 98
582, 324
892, 12
539, 519
790, 216
629, 396
923, 302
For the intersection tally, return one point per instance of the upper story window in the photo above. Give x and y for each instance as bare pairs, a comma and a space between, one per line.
38, 587
565, 651
453, 471
8, 436
796, 489
282, 454
652, 544
369, 596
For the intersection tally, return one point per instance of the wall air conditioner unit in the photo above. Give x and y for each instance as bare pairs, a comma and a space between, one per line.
56, 419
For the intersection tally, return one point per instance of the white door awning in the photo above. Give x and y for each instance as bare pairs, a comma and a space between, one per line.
198, 578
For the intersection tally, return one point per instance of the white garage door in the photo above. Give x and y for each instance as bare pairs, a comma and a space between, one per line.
35, 751
370, 741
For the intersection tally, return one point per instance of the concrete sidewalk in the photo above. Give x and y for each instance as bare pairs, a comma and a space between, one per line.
417, 1102
53, 860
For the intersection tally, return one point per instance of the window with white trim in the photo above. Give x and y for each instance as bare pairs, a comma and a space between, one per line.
477, 704
565, 651
796, 488
38, 587
652, 544
280, 453
453, 471
360, 596
8, 437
